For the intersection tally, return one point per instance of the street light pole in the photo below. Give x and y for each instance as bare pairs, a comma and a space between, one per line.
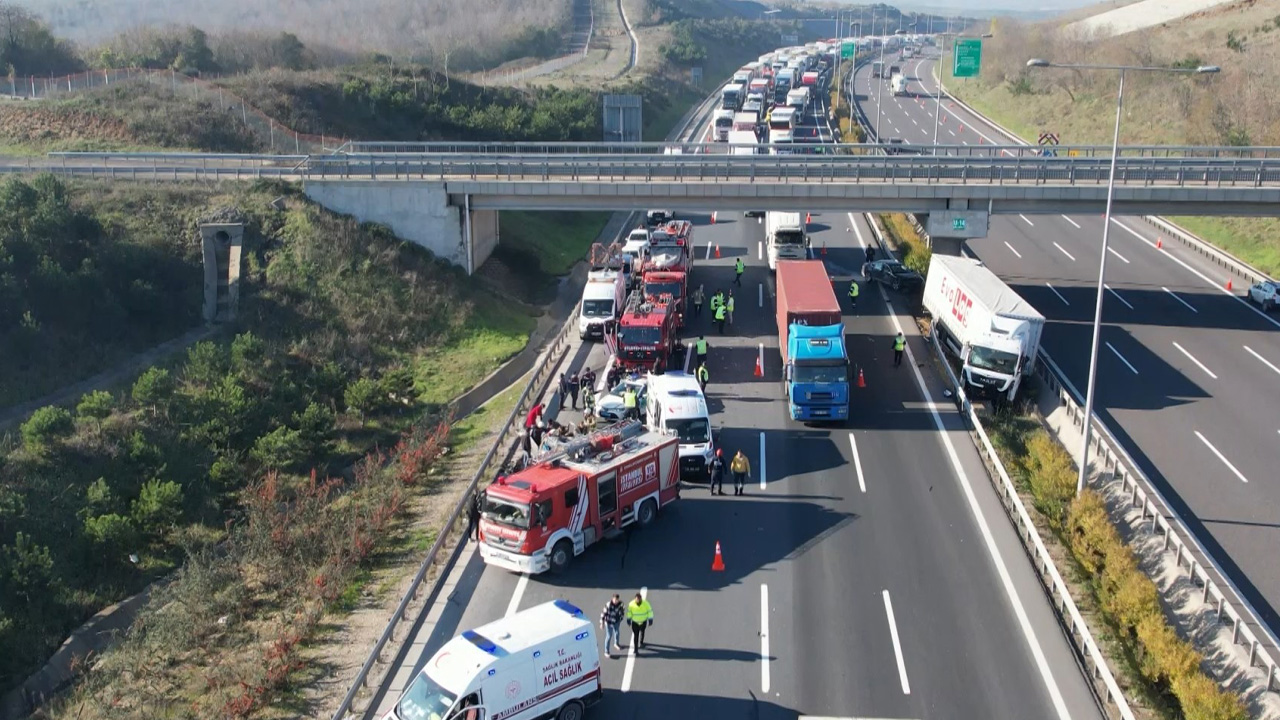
1090, 391
937, 110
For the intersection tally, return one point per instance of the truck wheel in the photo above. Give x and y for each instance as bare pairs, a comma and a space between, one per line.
561, 554
571, 710
648, 511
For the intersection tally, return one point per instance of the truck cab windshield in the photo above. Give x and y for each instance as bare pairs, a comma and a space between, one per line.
692, 431
658, 289
639, 336
788, 238
993, 360
506, 513
597, 308
424, 700
820, 373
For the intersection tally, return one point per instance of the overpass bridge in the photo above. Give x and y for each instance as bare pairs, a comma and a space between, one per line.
439, 194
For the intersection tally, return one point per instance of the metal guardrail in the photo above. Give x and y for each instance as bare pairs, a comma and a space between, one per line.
1221, 258
533, 389
1189, 555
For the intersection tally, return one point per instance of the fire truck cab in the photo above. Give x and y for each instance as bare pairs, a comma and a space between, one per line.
541, 517
644, 334
661, 284
670, 247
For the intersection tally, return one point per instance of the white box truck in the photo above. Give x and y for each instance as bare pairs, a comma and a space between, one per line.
986, 325
898, 83
785, 238
602, 300
798, 99
740, 138
540, 662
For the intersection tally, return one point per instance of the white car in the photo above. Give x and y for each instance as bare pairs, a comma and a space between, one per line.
1266, 294
609, 406
636, 243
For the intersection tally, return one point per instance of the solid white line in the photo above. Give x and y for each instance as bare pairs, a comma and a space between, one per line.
1113, 252
759, 250
897, 646
1006, 582
1221, 457
763, 481
708, 257
1264, 360
1064, 252
1126, 362
1194, 360
1015, 252
1055, 292
764, 638
1175, 297
1073, 222
514, 605
1025, 220
761, 287
631, 653
1113, 292
854, 224
857, 463
1201, 275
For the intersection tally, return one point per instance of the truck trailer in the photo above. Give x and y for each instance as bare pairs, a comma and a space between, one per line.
981, 321
815, 363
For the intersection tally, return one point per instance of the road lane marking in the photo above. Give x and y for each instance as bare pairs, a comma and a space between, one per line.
1221, 457
953, 132
1219, 286
897, 646
759, 250
1015, 252
854, 224
1006, 582
1064, 251
514, 605
1073, 222
708, 257
964, 142
857, 463
762, 467
1113, 252
761, 287
1175, 297
631, 652
1025, 220
1264, 360
913, 122
1113, 292
1126, 362
688, 356
1194, 360
1055, 292
764, 638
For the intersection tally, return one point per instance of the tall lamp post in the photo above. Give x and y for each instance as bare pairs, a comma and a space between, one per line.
1106, 228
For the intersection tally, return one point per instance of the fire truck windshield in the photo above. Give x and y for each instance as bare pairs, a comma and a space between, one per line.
658, 289
692, 431
639, 336
424, 699
506, 512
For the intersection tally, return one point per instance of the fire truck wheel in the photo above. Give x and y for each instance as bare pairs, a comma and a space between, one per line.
561, 554
648, 511
571, 710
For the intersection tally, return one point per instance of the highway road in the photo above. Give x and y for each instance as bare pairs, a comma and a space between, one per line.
870, 570
1189, 374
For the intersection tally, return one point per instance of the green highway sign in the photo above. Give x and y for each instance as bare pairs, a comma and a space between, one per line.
958, 223
846, 50
966, 57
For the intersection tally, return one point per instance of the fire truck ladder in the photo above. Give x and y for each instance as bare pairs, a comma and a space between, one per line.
638, 304
606, 257
602, 445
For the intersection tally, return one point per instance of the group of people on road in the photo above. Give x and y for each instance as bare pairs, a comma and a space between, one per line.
739, 465
638, 614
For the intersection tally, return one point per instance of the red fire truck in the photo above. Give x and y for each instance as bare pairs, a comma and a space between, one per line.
670, 247
645, 334
659, 285
539, 518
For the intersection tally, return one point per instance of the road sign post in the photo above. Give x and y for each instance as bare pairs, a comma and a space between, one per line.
966, 57
846, 50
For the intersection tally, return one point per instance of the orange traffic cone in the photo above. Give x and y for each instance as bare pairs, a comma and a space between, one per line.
717, 564
1159, 243
962, 127
862, 382
1228, 286
808, 218
759, 369
713, 218
824, 247
717, 250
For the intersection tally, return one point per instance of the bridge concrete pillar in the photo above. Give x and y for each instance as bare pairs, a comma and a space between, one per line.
418, 211
220, 245
484, 231
946, 246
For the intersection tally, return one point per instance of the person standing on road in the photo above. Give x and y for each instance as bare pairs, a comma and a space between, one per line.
473, 514
629, 403
899, 345
738, 267
640, 615
575, 383
588, 382
704, 377
701, 347
563, 386
871, 253
611, 623
740, 466
715, 472
729, 306
720, 316
853, 294
698, 296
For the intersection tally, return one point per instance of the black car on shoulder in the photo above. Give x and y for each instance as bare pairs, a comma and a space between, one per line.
894, 274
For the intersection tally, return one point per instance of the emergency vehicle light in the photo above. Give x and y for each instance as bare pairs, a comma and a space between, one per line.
568, 607
480, 641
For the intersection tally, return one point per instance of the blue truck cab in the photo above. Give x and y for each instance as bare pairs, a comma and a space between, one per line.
817, 373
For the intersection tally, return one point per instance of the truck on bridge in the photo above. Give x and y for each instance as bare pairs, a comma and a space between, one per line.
982, 322
815, 364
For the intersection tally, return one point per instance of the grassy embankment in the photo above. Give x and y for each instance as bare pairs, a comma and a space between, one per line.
1236, 107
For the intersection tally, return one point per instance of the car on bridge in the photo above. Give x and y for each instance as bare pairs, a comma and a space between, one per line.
894, 274
1266, 294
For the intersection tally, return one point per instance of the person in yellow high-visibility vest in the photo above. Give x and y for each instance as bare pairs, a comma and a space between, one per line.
853, 294
640, 615
704, 376
899, 345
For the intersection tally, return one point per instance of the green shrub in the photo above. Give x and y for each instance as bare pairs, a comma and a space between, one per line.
280, 449
112, 535
95, 406
1092, 536
45, 427
153, 388
1202, 699
158, 507
1051, 475
363, 396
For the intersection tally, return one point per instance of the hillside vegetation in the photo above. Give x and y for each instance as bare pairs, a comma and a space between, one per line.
345, 336
1239, 106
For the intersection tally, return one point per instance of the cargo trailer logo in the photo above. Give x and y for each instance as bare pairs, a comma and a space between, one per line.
959, 300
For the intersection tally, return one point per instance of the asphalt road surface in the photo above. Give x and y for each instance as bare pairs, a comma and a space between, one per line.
870, 570
1188, 373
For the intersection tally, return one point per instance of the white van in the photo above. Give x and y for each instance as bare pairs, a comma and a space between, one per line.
675, 405
602, 300
540, 662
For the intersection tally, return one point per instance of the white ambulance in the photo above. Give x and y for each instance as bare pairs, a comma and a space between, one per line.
675, 405
538, 663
